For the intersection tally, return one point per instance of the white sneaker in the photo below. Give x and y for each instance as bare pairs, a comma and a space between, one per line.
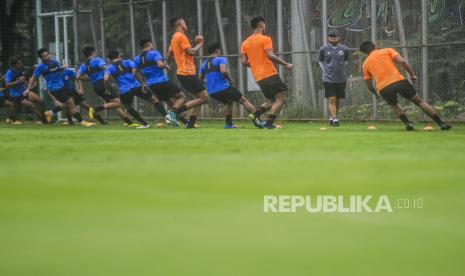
143, 127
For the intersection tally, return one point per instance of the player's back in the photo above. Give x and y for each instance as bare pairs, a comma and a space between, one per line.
185, 62
122, 72
255, 47
214, 79
380, 65
147, 64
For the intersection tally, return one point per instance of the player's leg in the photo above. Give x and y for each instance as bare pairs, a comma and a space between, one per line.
127, 100
86, 106
71, 108
277, 105
228, 110
400, 113
332, 109
40, 105
33, 108
12, 111
430, 111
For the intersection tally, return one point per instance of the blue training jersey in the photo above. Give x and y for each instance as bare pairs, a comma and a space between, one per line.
69, 75
94, 68
122, 72
52, 72
11, 76
214, 80
147, 64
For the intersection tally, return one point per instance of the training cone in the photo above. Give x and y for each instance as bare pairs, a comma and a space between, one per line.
323, 129
160, 125
428, 128
372, 128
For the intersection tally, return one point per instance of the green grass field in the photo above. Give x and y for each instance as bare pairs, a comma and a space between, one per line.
118, 201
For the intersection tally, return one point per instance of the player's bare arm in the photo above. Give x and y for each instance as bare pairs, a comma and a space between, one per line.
275, 59
199, 43
407, 67
224, 71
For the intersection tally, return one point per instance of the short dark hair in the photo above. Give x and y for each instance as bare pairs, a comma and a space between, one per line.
88, 50
144, 42
367, 47
212, 48
41, 51
174, 21
14, 60
113, 54
256, 20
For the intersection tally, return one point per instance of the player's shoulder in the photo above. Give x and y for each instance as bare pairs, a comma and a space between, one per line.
219, 60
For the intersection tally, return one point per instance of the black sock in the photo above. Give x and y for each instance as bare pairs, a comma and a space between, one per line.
192, 120
127, 120
159, 106
137, 116
99, 108
180, 110
270, 119
78, 116
404, 119
69, 118
438, 120
56, 109
99, 118
229, 119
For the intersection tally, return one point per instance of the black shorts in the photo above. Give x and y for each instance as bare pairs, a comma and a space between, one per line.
128, 97
99, 89
165, 91
337, 90
272, 86
191, 83
78, 98
229, 95
2, 101
61, 95
403, 87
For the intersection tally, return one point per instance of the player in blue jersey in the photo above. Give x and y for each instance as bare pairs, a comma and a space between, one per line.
215, 73
52, 72
16, 83
151, 63
69, 77
124, 72
5, 102
94, 68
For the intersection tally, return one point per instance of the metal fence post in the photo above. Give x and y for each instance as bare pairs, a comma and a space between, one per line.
133, 40
424, 48
200, 31
75, 33
279, 12
240, 68
102, 29
164, 27
374, 39
324, 24
220, 27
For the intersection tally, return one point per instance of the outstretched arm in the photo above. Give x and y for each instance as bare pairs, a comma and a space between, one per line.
274, 58
407, 67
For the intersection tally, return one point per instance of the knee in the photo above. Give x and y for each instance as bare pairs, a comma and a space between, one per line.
332, 100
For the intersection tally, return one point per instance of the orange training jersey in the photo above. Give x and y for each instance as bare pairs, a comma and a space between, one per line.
381, 67
254, 47
184, 62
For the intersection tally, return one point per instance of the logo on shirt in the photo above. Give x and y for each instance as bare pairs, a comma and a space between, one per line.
341, 53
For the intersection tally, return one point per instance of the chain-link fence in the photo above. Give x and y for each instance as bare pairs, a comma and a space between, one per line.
429, 33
